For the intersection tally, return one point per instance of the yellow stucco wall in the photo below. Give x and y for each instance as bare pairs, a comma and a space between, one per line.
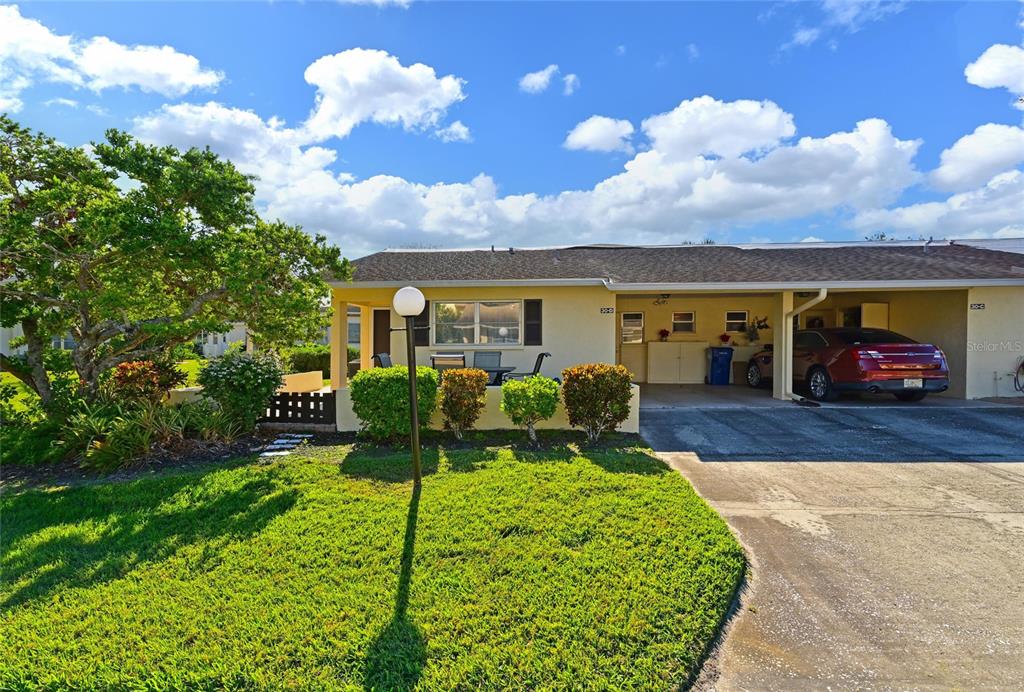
574, 328
995, 340
492, 418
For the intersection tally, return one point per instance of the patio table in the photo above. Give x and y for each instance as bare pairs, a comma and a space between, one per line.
497, 373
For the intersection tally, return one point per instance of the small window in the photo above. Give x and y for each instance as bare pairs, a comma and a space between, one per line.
684, 322
632, 327
736, 321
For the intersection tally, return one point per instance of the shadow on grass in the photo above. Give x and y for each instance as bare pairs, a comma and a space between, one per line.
397, 655
395, 465
137, 526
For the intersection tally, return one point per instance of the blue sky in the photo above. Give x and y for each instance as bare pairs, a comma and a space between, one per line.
369, 164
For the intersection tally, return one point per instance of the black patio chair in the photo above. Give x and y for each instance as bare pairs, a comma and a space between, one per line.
535, 371
487, 359
383, 360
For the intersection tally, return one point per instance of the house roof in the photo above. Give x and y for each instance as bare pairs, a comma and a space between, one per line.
625, 266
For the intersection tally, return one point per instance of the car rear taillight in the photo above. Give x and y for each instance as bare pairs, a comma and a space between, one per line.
865, 354
939, 354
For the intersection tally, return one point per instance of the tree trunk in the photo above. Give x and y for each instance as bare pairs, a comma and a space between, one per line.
37, 369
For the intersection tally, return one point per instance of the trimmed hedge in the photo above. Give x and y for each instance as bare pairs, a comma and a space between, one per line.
463, 397
597, 397
380, 399
529, 400
313, 357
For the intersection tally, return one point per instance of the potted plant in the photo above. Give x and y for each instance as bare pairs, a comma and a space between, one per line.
663, 334
724, 338
755, 327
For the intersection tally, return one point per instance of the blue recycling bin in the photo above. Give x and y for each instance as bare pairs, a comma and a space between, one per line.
719, 364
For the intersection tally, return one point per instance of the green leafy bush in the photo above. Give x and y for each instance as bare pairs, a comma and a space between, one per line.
596, 397
145, 380
529, 400
306, 358
242, 384
463, 397
380, 399
353, 353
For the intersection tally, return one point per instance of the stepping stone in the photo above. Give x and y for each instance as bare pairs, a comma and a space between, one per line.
301, 436
275, 454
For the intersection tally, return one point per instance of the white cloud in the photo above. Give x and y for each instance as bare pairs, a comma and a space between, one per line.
600, 133
570, 83
360, 85
456, 132
692, 178
67, 103
536, 82
705, 125
991, 210
30, 52
975, 158
1000, 66
849, 16
693, 52
812, 239
804, 37
160, 69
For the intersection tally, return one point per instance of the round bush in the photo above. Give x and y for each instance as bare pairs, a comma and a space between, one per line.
597, 397
528, 401
144, 380
242, 384
463, 397
380, 399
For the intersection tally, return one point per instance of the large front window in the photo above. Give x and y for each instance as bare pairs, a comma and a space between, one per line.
488, 322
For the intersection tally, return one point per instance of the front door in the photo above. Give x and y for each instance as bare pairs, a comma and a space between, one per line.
381, 331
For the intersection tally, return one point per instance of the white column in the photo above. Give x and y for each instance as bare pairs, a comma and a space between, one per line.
339, 340
782, 349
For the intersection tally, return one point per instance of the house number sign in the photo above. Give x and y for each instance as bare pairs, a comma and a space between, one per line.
607, 311
977, 306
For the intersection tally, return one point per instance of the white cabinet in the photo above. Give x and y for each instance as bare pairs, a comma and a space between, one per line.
676, 362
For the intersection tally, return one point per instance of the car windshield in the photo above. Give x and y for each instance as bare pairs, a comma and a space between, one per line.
871, 336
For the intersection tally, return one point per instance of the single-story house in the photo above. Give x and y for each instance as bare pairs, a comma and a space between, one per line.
608, 303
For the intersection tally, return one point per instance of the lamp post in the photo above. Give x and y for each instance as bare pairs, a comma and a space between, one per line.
408, 302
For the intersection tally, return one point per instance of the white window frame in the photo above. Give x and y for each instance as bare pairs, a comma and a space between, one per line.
643, 326
476, 345
692, 322
746, 321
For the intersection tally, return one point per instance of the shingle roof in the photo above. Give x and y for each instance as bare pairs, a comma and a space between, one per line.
696, 264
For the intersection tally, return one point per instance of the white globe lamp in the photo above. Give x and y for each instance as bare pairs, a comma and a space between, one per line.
408, 301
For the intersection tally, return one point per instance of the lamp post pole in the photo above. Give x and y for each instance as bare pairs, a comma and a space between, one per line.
414, 412
409, 302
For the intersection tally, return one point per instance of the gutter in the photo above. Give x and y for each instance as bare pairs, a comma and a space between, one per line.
616, 287
822, 295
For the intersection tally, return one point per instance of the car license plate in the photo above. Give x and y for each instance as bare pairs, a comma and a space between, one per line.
913, 383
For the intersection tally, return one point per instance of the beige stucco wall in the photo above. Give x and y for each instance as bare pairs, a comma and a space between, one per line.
312, 381
995, 340
709, 312
574, 330
492, 418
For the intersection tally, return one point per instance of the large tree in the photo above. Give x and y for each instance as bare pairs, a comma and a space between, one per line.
133, 249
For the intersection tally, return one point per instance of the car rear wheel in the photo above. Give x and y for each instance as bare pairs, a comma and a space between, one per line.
820, 385
911, 396
754, 378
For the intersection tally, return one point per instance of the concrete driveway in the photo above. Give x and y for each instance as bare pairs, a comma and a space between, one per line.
867, 574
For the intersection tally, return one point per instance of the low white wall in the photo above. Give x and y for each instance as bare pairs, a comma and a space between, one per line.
492, 417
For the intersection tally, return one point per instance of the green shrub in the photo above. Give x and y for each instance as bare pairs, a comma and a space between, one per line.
529, 400
353, 353
463, 397
242, 384
306, 358
145, 380
380, 399
596, 397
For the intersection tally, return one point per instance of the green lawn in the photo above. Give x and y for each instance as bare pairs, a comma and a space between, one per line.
21, 398
325, 570
191, 369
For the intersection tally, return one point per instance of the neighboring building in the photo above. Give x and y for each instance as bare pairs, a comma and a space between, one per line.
213, 345
608, 304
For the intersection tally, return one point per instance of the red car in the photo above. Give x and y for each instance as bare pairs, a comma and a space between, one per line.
830, 361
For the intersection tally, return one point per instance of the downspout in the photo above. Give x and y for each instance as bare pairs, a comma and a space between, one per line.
822, 295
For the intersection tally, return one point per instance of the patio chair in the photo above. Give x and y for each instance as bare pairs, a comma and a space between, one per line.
383, 360
447, 361
487, 359
521, 375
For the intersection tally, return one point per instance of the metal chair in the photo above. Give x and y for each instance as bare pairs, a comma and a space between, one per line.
383, 360
487, 359
447, 361
536, 369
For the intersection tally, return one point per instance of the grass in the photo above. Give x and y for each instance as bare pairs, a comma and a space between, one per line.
326, 570
191, 369
23, 394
